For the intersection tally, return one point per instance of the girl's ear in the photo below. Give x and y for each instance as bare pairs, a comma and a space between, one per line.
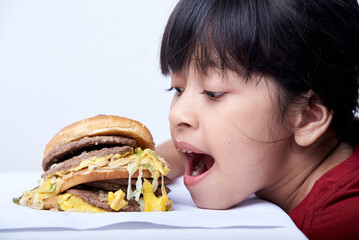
312, 123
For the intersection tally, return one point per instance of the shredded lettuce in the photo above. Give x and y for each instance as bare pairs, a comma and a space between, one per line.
131, 168
138, 190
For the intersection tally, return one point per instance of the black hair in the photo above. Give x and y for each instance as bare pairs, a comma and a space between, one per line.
304, 45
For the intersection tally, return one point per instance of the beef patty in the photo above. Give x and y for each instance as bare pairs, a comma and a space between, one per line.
86, 144
99, 199
76, 161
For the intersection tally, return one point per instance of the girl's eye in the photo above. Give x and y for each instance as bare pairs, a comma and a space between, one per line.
212, 95
178, 90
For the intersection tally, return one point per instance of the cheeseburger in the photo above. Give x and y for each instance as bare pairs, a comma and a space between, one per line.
100, 164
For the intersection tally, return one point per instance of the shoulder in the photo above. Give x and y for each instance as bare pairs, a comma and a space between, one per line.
338, 218
331, 209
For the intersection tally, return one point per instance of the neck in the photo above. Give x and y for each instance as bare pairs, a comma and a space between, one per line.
302, 170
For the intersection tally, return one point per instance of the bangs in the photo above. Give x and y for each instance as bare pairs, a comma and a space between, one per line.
212, 34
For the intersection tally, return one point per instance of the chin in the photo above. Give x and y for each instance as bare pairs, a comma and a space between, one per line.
211, 202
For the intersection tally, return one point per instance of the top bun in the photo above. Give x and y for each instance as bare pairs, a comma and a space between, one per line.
103, 125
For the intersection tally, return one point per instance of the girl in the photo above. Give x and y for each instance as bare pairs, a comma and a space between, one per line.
265, 99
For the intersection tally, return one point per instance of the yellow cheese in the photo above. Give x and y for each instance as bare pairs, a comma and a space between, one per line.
116, 200
153, 203
149, 159
47, 188
133, 161
69, 202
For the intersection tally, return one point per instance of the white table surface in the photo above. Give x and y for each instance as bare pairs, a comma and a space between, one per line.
253, 219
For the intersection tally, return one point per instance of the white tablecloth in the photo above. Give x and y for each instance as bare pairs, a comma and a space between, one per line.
252, 219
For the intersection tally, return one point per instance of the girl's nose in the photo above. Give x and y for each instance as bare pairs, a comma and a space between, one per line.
183, 113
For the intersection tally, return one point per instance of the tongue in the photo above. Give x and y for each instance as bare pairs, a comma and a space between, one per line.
199, 168
202, 165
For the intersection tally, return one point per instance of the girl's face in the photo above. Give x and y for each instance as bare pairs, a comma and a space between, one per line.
225, 129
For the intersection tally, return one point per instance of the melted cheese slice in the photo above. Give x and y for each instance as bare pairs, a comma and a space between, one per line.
69, 202
117, 200
153, 203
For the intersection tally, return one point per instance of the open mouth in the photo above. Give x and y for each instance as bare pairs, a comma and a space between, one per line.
198, 164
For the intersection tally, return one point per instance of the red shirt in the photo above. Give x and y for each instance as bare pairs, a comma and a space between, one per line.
331, 209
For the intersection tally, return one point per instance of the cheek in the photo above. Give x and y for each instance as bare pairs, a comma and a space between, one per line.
240, 159
252, 116
250, 124
249, 151
251, 161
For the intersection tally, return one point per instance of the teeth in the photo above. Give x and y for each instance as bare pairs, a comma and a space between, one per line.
184, 150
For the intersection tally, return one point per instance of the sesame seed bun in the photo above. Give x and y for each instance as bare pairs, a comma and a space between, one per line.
103, 125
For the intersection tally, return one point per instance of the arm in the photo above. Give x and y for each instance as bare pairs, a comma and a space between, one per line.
177, 163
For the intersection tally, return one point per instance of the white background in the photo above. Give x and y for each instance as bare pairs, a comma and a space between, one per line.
62, 61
